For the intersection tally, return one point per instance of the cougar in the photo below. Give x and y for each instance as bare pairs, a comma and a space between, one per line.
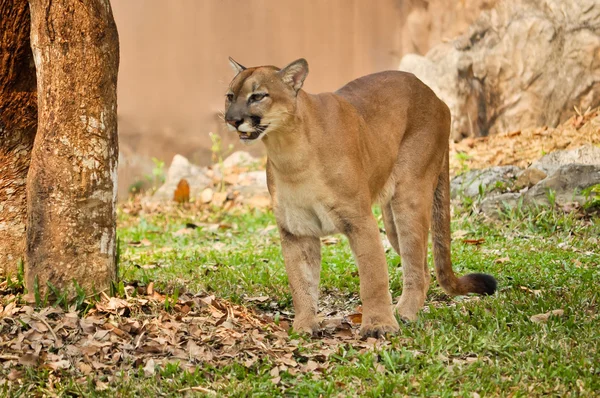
382, 138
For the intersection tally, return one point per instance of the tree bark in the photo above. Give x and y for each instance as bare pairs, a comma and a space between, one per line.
18, 124
71, 186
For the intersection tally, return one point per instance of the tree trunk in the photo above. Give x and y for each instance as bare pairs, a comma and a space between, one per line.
71, 186
18, 123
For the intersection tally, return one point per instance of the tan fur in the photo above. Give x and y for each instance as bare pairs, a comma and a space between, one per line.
381, 138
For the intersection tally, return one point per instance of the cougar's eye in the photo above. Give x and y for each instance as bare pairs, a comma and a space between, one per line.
229, 97
257, 97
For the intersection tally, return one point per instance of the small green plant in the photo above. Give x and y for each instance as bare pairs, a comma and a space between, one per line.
118, 289
61, 297
171, 301
157, 178
463, 159
592, 196
18, 284
218, 154
551, 195
39, 300
80, 295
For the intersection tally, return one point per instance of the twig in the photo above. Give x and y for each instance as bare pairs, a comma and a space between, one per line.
198, 388
39, 318
97, 294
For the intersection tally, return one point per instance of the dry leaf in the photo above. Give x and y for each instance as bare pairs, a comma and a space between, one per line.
29, 359
259, 299
182, 192
149, 369
541, 318
474, 241
219, 198
62, 364
461, 233
355, 318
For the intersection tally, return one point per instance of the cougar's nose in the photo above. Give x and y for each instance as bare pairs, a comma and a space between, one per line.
235, 122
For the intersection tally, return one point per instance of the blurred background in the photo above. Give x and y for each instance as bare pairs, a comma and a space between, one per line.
483, 57
174, 69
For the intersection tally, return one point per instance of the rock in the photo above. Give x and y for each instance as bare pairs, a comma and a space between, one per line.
528, 178
493, 205
587, 154
567, 183
426, 23
254, 178
468, 183
206, 195
524, 63
180, 169
239, 159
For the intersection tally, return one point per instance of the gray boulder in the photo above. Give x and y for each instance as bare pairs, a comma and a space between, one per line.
489, 179
494, 204
587, 154
566, 183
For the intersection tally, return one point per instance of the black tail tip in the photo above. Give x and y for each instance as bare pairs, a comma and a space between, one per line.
483, 284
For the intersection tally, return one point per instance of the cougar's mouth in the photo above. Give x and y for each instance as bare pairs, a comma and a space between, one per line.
254, 134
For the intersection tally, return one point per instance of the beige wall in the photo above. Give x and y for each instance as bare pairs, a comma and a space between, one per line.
174, 69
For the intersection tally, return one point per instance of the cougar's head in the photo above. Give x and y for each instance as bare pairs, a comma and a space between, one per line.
261, 100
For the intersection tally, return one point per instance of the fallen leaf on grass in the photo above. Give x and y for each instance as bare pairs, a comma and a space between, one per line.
474, 241
219, 198
138, 243
149, 369
29, 359
541, 318
502, 260
535, 292
259, 299
461, 233
355, 318
61, 364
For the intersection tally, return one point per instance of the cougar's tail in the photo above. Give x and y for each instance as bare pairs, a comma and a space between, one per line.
440, 231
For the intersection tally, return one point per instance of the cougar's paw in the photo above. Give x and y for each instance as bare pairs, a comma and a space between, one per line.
409, 306
378, 326
308, 326
407, 315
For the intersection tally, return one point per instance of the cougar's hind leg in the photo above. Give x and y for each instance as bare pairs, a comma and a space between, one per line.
412, 205
413, 215
392, 235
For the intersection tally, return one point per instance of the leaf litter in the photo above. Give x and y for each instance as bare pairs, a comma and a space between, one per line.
137, 332
523, 147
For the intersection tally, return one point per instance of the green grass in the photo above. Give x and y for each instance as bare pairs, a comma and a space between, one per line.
543, 261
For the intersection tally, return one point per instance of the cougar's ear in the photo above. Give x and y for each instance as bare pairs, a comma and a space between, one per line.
295, 73
237, 68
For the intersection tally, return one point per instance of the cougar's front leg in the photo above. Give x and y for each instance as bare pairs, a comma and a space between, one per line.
302, 256
363, 235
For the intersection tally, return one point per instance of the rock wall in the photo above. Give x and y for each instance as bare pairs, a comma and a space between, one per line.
523, 63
